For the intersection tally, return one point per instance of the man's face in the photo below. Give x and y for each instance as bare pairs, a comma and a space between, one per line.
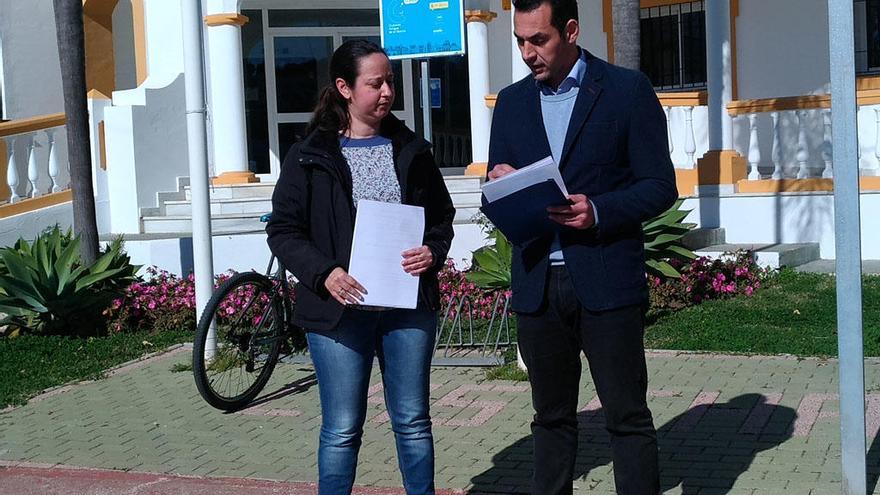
548, 53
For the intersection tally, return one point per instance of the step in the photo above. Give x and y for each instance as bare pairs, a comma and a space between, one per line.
220, 224
465, 214
255, 190
220, 206
465, 198
702, 237
768, 255
463, 183
869, 267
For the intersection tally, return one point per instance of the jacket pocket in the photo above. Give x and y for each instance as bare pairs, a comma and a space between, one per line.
597, 143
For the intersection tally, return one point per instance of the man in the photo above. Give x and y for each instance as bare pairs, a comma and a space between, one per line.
584, 288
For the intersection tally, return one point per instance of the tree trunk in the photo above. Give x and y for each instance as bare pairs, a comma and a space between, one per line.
626, 27
72, 54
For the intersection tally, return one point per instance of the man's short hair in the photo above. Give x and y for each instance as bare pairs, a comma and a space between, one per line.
561, 11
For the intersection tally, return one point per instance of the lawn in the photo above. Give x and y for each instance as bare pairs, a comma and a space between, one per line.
29, 364
794, 314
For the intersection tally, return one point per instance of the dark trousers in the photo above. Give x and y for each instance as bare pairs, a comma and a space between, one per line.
551, 341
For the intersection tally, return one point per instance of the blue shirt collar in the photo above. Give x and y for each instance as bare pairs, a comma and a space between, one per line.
572, 80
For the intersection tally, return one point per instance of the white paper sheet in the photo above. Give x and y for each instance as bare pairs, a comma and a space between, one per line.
522, 178
382, 231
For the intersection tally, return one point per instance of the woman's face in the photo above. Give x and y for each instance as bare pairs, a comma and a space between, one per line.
370, 100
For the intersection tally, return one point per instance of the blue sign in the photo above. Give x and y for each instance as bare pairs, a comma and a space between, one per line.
422, 28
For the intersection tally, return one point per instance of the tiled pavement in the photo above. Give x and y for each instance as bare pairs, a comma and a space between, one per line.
737, 425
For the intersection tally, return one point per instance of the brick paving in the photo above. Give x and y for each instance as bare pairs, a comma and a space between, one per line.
727, 425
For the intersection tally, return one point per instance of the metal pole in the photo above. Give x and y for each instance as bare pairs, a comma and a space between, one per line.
848, 247
197, 144
426, 101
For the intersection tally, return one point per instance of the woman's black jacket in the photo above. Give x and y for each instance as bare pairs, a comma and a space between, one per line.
313, 216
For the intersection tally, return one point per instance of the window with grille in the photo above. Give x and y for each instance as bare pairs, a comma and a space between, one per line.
866, 14
673, 46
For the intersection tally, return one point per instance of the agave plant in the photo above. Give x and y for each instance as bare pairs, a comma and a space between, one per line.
663, 236
492, 263
44, 288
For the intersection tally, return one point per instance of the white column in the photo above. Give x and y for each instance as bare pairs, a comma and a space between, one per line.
478, 81
519, 69
227, 112
719, 74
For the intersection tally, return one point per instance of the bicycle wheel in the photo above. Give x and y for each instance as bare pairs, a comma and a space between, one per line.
247, 314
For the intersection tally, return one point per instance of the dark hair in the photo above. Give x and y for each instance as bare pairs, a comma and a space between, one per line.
331, 112
562, 11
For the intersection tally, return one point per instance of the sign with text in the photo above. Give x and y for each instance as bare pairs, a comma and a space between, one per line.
422, 28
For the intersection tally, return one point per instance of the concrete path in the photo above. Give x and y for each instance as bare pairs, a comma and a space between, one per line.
727, 425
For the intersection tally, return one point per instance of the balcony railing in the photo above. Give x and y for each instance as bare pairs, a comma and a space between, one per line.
45, 172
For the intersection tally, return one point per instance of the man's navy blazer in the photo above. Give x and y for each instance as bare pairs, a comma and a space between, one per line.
616, 153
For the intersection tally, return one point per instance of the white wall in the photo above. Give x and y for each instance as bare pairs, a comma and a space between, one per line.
786, 218
29, 225
782, 48
31, 71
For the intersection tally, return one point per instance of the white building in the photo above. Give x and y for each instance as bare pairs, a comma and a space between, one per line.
748, 131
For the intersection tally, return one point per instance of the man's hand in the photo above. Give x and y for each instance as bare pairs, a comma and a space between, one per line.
344, 288
577, 215
500, 170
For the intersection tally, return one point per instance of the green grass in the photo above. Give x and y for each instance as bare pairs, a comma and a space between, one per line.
794, 314
30, 364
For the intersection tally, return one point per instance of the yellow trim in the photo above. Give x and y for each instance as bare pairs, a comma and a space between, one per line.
102, 145
231, 178
477, 168
805, 102
33, 204
506, 4
23, 126
100, 62
800, 185
490, 100
686, 179
869, 183
4, 163
684, 99
479, 16
784, 185
608, 28
231, 19
139, 25
867, 82
721, 167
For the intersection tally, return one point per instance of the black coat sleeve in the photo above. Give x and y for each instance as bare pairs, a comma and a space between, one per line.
652, 190
289, 233
439, 212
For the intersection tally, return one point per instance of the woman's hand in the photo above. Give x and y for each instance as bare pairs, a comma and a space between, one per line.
417, 260
344, 288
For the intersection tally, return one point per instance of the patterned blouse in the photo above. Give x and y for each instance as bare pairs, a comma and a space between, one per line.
372, 169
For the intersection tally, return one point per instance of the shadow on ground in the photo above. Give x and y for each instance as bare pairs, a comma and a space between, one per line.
706, 447
293, 388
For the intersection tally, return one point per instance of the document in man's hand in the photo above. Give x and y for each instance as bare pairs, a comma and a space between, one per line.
517, 202
382, 231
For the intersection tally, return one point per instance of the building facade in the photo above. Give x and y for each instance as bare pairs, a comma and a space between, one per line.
744, 84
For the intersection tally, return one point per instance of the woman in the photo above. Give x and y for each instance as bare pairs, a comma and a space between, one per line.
355, 149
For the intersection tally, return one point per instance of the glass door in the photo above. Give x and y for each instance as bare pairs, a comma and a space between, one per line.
297, 64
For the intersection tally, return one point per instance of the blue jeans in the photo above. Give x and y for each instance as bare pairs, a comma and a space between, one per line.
403, 340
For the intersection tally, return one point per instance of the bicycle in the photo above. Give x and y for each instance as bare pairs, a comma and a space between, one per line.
250, 314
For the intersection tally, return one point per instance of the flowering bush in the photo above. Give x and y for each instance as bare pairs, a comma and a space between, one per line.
703, 279
454, 285
163, 302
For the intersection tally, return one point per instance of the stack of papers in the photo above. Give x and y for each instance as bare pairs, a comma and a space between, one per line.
382, 232
517, 202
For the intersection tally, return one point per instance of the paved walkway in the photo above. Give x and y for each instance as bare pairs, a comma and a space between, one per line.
727, 425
